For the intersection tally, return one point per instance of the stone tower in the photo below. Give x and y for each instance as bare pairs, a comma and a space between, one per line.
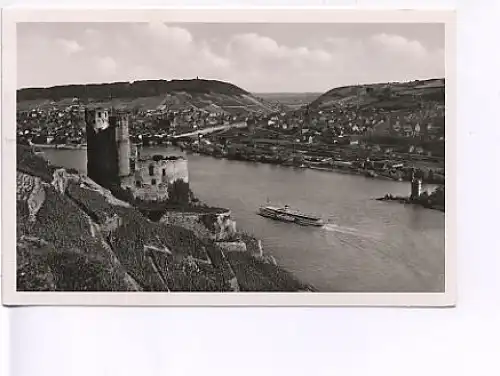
123, 145
102, 153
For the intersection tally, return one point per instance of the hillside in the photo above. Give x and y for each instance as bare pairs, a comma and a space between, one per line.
104, 244
386, 96
211, 95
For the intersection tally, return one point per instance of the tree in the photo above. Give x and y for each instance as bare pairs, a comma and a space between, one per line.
438, 196
179, 192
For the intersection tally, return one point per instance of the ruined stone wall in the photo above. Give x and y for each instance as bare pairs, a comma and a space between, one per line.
165, 170
218, 227
152, 178
30, 190
175, 170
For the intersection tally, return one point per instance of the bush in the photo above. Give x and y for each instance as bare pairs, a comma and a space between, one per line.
438, 196
73, 171
254, 274
179, 192
92, 203
124, 194
32, 164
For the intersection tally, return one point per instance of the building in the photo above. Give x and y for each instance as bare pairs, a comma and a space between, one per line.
111, 163
102, 150
152, 176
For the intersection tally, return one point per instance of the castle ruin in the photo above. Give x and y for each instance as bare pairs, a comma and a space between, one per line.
111, 162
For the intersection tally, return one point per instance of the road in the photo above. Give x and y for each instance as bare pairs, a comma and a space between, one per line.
212, 129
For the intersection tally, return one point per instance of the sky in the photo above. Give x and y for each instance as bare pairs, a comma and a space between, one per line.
256, 57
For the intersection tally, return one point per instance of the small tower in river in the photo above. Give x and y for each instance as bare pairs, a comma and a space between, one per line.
416, 186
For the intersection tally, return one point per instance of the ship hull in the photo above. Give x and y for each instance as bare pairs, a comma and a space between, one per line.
290, 218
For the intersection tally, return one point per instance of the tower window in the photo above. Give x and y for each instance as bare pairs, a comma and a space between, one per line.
138, 183
164, 172
151, 170
153, 181
98, 114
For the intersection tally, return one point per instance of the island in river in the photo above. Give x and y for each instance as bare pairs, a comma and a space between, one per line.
435, 200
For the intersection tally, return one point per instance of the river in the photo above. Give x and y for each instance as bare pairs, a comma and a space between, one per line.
367, 245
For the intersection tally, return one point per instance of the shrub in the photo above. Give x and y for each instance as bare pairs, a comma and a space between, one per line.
179, 192
32, 164
92, 203
254, 274
124, 194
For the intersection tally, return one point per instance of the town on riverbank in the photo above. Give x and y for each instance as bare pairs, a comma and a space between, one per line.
386, 139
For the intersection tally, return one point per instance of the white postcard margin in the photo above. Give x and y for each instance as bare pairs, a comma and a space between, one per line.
284, 15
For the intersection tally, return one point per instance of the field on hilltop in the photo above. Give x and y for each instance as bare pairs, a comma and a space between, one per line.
210, 95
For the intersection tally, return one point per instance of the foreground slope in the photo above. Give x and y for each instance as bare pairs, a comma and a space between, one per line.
210, 95
73, 235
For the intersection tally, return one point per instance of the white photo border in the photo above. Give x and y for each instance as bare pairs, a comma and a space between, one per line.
10, 17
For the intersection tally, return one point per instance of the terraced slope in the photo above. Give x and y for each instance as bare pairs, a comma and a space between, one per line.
387, 96
210, 95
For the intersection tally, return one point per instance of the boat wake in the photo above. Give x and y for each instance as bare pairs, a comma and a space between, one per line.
348, 230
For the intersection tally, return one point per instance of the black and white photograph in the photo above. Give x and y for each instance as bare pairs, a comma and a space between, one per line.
172, 156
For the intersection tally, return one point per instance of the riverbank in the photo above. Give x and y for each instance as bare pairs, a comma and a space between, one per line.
60, 146
303, 160
106, 244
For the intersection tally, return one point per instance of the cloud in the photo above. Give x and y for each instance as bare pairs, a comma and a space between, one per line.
252, 44
69, 46
170, 34
90, 32
337, 42
398, 44
106, 65
254, 59
212, 58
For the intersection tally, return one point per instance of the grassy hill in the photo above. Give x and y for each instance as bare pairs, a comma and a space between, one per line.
212, 95
387, 96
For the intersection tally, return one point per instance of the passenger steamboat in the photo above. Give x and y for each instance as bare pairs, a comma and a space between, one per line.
285, 214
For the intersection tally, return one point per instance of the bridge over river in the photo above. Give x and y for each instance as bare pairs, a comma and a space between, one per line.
211, 130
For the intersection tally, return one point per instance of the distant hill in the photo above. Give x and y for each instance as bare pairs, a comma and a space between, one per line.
290, 101
148, 95
388, 96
